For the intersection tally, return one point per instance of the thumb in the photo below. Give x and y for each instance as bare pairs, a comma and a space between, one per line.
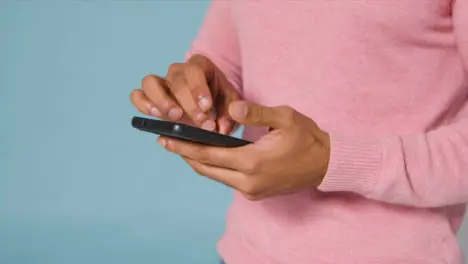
224, 123
251, 114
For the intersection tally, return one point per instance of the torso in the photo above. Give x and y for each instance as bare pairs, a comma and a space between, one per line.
364, 67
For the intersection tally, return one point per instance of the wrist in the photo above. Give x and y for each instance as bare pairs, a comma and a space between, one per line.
324, 160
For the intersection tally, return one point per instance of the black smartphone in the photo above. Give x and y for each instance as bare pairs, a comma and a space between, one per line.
186, 132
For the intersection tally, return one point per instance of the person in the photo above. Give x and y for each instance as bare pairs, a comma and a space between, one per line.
359, 116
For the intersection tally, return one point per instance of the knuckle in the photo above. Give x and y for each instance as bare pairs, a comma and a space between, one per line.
147, 80
251, 166
192, 68
151, 82
134, 94
258, 114
251, 188
251, 197
175, 73
173, 68
192, 113
136, 98
196, 88
288, 113
204, 155
195, 77
175, 88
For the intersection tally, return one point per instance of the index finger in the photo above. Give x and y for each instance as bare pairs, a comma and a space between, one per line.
188, 86
230, 158
227, 177
199, 69
198, 86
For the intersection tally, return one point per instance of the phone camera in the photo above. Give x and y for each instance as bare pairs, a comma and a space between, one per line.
176, 128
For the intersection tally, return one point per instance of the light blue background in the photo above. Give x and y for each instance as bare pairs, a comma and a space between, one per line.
77, 183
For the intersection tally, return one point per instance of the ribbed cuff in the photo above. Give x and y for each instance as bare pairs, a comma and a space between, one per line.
355, 165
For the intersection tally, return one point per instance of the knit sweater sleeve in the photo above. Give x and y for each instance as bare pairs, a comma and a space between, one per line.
427, 169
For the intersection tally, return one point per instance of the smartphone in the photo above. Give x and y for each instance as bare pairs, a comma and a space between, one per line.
186, 132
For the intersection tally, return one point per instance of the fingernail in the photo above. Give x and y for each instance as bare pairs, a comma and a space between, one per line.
209, 125
162, 142
225, 126
204, 102
155, 112
238, 110
200, 116
175, 113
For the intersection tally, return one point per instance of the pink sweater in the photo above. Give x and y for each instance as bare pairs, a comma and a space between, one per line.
387, 79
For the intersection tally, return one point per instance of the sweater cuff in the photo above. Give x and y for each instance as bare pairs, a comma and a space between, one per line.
354, 166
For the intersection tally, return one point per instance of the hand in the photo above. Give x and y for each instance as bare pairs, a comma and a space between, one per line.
294, 155
189, 93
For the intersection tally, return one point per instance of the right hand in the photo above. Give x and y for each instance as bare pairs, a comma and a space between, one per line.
189, 93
